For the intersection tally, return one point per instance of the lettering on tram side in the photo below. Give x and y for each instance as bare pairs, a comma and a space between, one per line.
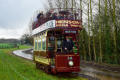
49, 24
68, 23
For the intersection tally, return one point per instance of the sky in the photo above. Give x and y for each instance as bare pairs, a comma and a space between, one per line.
15, 16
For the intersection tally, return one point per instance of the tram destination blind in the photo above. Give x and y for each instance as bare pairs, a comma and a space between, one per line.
68, 31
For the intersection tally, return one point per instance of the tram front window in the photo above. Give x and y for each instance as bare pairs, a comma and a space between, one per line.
51, 43
65, 45
59, 45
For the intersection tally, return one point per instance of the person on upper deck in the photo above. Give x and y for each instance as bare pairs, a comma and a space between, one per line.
71, 17
49, 14
61, 16
37, 19
40, 15
55, 16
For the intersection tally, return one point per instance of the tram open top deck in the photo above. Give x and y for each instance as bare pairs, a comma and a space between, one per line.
66, 19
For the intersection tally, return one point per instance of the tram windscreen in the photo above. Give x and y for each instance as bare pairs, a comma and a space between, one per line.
66, 45
62, 44
51, 43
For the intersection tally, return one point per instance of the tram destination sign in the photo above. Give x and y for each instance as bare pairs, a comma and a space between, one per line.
68, 23
69, 31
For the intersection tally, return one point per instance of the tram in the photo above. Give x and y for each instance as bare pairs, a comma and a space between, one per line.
56, 42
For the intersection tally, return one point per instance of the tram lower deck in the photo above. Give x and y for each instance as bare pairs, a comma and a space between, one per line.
56, 50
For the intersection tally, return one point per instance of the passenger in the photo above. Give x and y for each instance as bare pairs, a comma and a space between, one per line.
34, 23
76, 16
40, 15
67, 45
55, 16
61, 16
49, 14
40, 18
66, 16
71, 17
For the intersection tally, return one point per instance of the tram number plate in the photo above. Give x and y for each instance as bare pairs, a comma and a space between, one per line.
70, 32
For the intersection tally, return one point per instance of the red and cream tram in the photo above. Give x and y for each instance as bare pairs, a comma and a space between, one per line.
56, 45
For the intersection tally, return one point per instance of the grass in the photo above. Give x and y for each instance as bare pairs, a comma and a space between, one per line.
6, 45
9, 50
16, 68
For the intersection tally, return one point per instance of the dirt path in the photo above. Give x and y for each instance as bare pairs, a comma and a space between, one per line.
104, 67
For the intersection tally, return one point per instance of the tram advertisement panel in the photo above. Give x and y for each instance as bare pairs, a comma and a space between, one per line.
68, 23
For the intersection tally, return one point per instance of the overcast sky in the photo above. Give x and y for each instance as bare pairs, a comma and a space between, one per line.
15, 16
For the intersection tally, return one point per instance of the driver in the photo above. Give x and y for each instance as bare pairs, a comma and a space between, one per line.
67, 45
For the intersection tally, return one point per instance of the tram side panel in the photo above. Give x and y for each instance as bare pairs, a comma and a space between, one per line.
40, 54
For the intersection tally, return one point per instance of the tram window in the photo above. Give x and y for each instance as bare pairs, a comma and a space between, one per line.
67, 45
51, 38
75, 49
35, 44
59, 45
39, 45
57, 32
51, 43
43, 44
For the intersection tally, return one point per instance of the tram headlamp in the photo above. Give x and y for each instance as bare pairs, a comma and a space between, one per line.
70, 63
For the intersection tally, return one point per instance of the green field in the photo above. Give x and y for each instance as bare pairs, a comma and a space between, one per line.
16, 68
7, 45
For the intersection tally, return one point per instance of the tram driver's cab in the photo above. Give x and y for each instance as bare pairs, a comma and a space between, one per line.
61, 43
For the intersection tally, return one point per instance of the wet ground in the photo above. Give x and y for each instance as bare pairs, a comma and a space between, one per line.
24, 53
99, 74
89, 72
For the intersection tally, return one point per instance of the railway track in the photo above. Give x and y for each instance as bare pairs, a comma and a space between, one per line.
28, 54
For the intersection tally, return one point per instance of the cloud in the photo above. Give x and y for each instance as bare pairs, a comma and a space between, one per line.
16, 14
11, 33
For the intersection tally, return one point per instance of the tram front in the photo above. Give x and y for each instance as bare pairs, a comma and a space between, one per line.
63, 50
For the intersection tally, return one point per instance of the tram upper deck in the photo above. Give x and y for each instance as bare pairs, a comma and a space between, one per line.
57, 18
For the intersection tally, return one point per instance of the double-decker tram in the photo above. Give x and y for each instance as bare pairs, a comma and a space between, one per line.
56, 41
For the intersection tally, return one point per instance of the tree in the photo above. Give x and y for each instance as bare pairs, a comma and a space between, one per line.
26, 39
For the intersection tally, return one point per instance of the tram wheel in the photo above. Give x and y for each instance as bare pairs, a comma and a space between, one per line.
48, 69
37, 65
54, 71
